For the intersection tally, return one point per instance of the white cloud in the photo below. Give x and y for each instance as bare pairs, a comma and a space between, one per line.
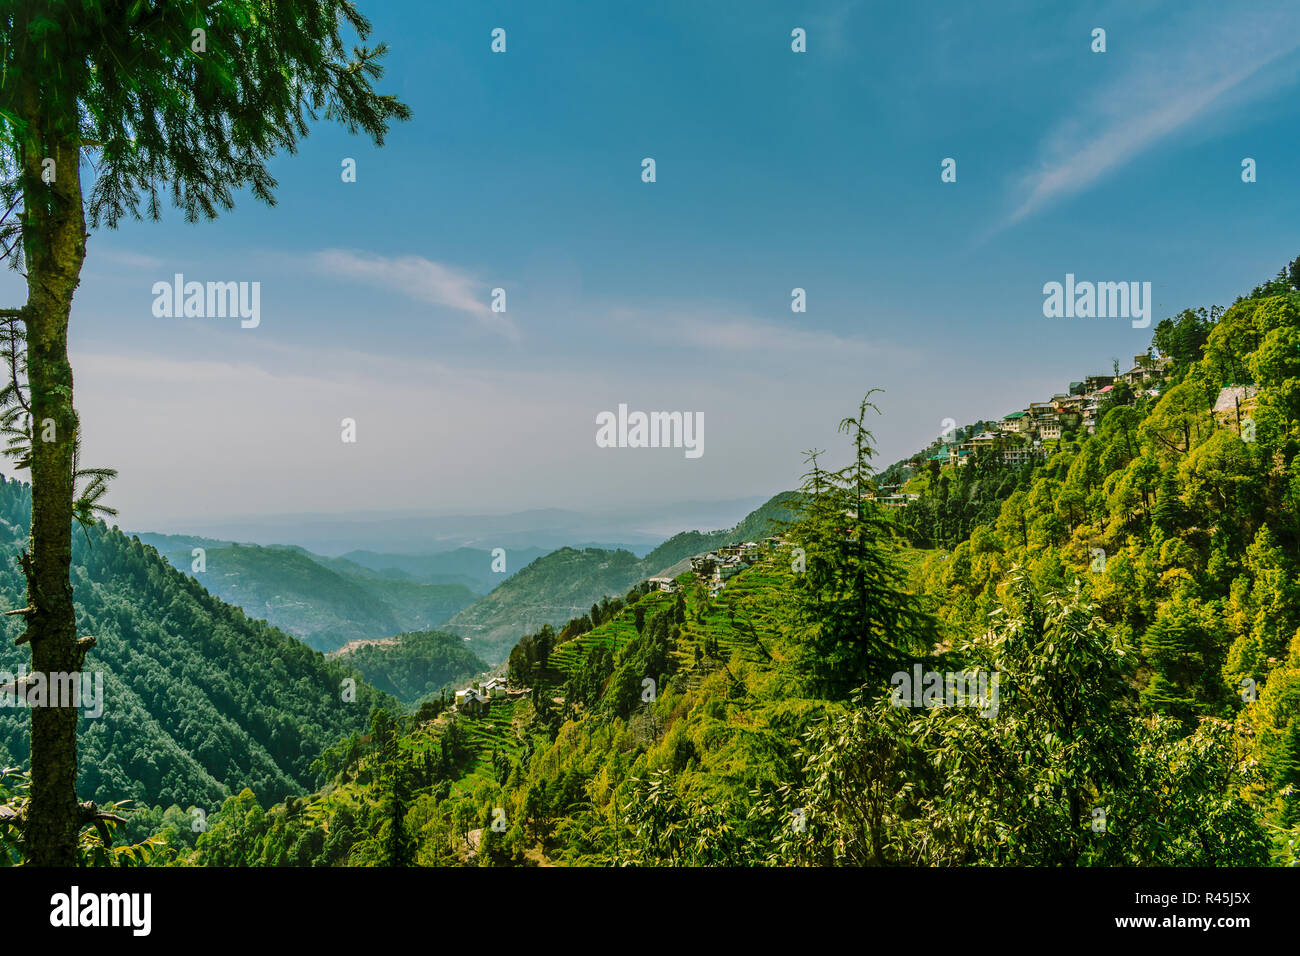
716, 330
1166, 90
420, 279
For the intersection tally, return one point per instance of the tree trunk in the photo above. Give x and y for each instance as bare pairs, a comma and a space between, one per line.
54, 240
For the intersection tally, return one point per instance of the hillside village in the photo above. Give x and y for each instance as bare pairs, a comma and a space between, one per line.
719, 566
1031, 434
478, 698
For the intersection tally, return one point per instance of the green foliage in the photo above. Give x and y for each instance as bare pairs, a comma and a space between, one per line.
1182, 337
856, 614
199, 700
968, 497
96, 843
1065, 773
669, 831
326, 602
414, 666
560, 586
199, 120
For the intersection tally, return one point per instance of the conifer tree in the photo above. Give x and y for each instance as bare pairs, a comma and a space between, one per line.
855, 613
1169, 512
170, 100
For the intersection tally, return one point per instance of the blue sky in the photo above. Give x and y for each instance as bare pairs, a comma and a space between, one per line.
775, 170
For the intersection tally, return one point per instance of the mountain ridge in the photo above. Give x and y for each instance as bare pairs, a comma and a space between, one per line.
563, 584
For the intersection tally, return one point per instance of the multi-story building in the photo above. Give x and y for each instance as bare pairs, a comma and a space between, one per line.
1019, 455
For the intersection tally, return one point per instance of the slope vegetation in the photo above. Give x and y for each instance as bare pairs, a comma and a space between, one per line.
565, 583
198, 699
325, 601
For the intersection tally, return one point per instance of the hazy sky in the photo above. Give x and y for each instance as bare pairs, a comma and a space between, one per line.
775, 170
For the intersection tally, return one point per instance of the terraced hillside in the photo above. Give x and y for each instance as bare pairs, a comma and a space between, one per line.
562, 585
481, 763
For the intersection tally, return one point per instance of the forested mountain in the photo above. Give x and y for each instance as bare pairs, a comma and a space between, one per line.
563, 584
552, 589
1180, 521
738, 756
1107, 672
413, 666
199, 699
325, 601
469, 567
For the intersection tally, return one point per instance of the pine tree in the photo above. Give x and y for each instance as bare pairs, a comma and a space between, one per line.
858, 619
1169, 512
187, 98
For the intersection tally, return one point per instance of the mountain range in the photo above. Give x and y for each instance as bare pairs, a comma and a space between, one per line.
636, 528
329, 602
199, 699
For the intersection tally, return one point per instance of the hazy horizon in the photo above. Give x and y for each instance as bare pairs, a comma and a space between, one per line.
776, 171
332, 535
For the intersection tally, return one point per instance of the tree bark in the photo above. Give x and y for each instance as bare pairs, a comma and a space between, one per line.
54, 242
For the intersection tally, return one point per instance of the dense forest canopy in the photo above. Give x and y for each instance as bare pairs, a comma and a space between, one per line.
414, 665
198, 700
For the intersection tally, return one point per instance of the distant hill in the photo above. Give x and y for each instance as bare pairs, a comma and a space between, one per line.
562, 585
471, 567
199, 700
421, 533
415, 665
325, 601
551, 590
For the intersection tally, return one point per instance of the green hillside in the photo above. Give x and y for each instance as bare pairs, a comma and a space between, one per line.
326, 602
565, 583
412, 666
734, 744
199, 699
417, 606
758, 524
552, 589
